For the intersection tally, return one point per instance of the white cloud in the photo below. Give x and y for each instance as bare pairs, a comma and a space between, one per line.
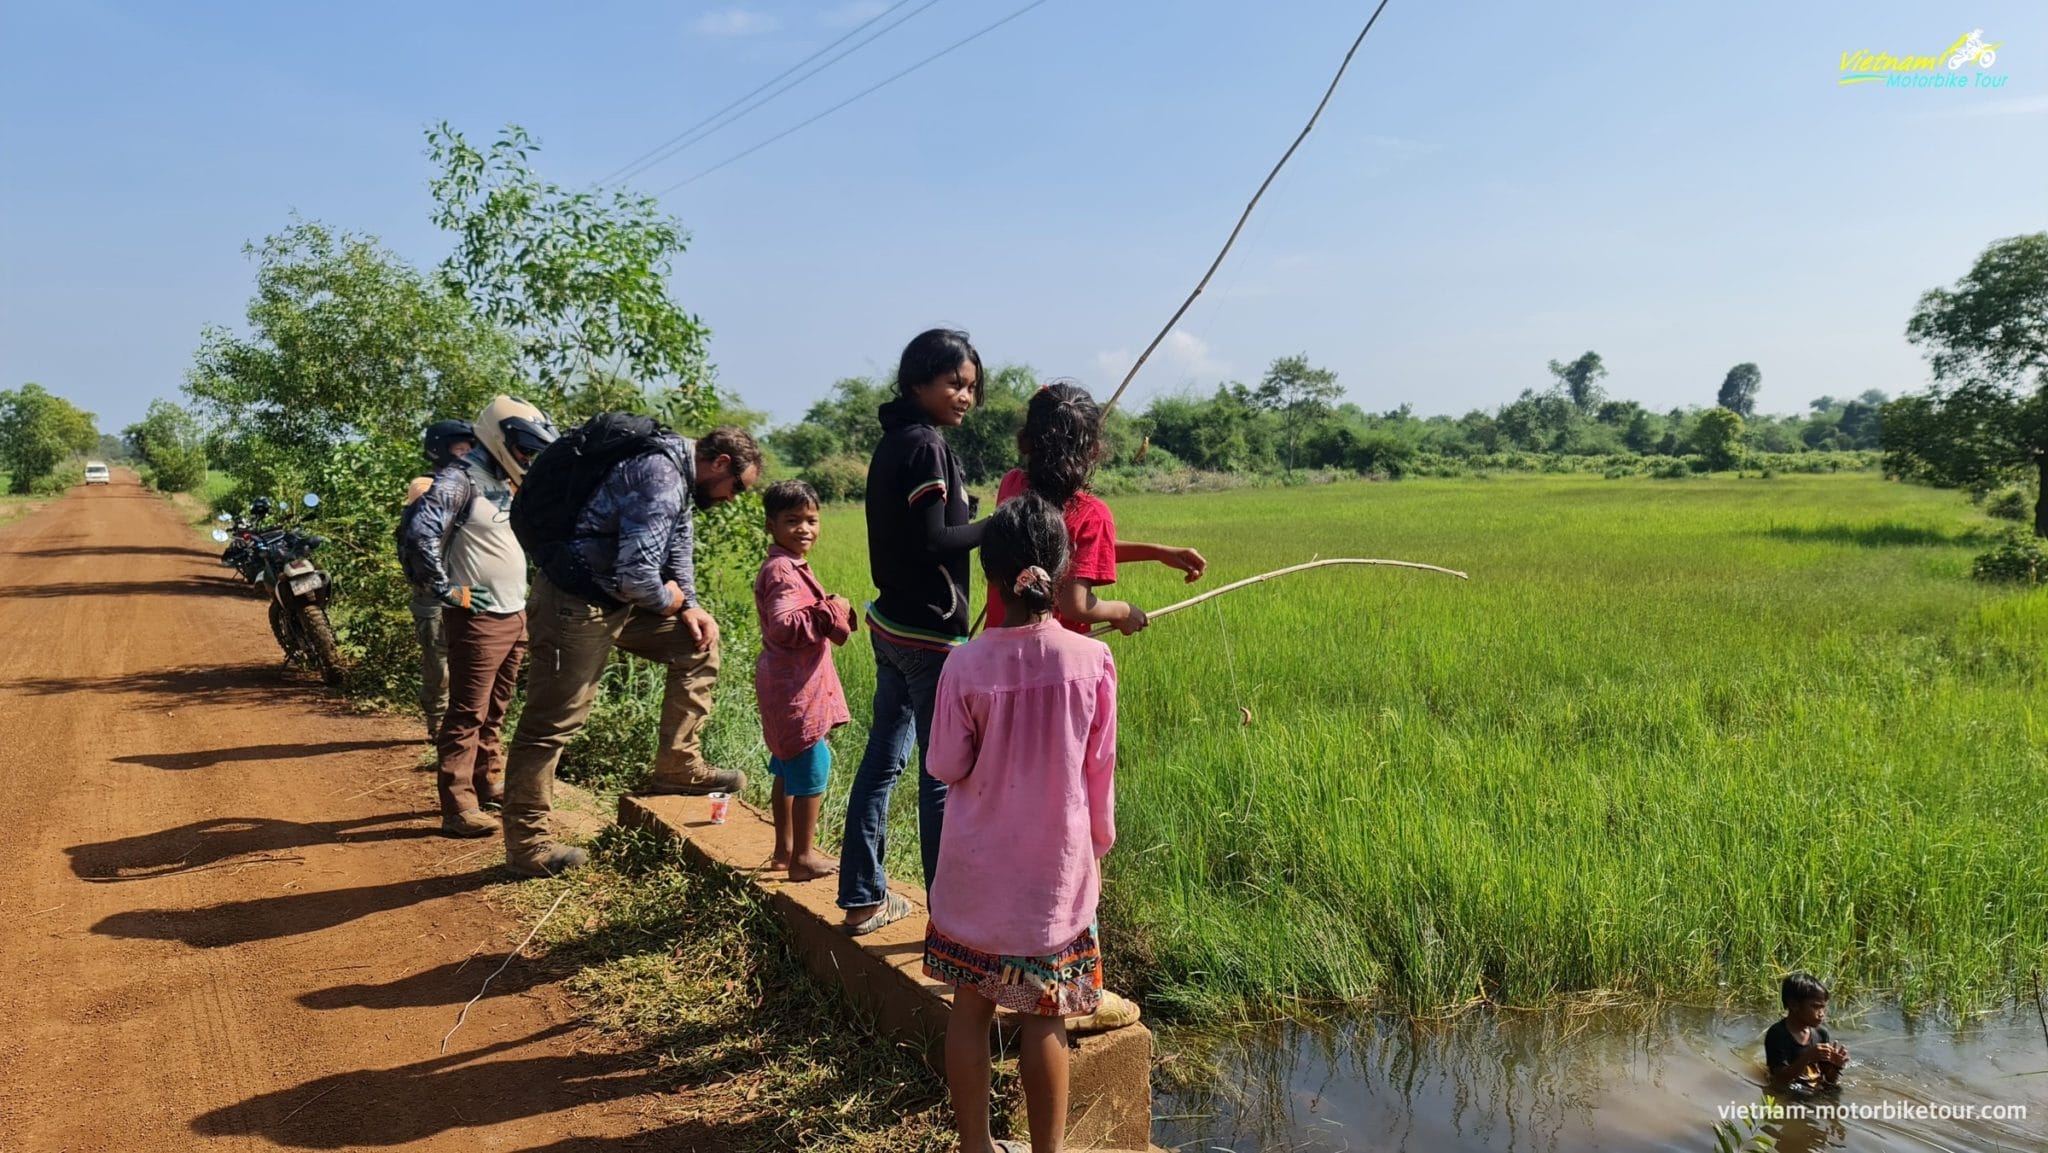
736, 22
854, 12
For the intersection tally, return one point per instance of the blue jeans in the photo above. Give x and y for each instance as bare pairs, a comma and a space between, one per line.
906, 688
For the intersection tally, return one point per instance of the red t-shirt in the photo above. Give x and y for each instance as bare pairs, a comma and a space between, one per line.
1091, 537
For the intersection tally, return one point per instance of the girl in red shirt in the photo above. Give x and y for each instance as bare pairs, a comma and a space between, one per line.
1061, 443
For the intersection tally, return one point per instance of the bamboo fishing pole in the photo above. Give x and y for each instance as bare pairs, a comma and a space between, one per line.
1246, 215
1233, 586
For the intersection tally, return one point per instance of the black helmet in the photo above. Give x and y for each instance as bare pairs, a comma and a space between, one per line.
441, 437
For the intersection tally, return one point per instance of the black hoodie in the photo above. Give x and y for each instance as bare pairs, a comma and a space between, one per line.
918, 535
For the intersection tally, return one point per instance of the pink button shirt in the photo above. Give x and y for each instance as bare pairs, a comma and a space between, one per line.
1025, 733
794, 681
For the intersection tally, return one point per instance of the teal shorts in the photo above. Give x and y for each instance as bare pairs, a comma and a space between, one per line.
805, 774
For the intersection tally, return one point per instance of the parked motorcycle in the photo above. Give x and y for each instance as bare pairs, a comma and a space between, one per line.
279, 562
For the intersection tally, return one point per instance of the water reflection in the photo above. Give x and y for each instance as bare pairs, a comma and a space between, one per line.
1634, 1079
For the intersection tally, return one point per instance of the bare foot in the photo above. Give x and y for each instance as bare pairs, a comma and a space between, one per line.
811, 866
779, 860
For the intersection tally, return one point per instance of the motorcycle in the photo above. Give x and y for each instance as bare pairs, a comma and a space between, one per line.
279, 562
1973, 48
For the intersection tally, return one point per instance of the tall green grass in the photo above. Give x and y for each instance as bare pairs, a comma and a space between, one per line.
1671, 739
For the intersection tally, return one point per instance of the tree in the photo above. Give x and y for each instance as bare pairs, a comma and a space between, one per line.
347, 345
580, 280
38, 432
1580, 380
170, 443
1300, 394
1717, 436
1739, 388
1984, 418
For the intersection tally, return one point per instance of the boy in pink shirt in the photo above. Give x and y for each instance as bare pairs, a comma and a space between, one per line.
1024, 735
794, 681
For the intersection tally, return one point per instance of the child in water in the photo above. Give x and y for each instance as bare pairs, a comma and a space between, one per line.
1061, 443
1798, 1050
1024, 735
794, 681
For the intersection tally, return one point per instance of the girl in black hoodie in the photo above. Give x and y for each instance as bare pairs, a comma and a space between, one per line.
918, 541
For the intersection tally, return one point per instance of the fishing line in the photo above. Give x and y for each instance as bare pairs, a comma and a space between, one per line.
1247, 214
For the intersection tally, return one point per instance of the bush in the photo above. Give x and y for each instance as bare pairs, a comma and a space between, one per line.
840, 477
1672, 468
2010, 505
2017, 558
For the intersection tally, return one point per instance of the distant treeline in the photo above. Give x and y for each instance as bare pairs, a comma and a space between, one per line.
1295, 419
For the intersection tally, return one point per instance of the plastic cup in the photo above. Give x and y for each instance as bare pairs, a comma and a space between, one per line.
720, 806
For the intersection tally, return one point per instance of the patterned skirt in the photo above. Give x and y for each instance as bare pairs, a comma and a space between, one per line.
1066, 983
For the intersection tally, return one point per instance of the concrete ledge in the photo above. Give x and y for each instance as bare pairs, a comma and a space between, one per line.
1110, 1073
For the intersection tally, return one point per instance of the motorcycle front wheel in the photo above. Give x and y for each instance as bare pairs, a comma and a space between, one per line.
320, 642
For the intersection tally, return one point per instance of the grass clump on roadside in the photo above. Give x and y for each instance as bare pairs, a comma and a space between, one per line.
695, 972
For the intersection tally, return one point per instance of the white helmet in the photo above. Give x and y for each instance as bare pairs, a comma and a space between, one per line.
513, 432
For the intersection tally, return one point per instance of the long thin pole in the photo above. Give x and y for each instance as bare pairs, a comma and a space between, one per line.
1247, 215
1155, 614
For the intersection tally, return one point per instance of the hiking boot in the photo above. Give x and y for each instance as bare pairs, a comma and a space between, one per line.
549, 861
469, 823
729, 781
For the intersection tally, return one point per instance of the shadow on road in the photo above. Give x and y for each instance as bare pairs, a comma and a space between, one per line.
449, 984
115, 586
218, 685
202, 843
462, 1090
286, 752
288, 915
116, 550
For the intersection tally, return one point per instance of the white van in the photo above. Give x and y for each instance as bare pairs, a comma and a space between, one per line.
96, 473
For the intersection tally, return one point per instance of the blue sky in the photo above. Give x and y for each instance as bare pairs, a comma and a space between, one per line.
1679, 186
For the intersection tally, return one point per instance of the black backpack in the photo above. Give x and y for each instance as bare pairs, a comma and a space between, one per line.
562, 479
413, 575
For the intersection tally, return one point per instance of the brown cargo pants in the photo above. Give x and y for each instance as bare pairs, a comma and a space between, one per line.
571, 639
484, 651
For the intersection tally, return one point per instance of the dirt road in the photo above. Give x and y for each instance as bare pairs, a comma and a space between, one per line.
228, 920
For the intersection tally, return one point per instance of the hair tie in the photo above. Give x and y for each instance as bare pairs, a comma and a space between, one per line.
1031, 578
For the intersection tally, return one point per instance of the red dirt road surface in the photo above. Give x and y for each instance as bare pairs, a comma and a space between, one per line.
228, 921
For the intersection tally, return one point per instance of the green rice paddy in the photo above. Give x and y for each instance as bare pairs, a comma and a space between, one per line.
1672, 739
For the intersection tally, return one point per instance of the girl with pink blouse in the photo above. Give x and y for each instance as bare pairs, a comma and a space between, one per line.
1024, 735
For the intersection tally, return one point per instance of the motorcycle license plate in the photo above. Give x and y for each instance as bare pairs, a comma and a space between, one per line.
306, 584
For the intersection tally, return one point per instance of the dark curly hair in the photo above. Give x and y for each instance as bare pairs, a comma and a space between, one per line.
1062, 441
936, 353
733, 441
1026, 532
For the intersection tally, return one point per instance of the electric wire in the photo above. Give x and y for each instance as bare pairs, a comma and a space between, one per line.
678, 142
868, 91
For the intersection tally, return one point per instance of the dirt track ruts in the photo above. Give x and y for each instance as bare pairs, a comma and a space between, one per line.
229, 921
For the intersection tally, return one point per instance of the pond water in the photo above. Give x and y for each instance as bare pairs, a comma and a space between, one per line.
1610, 1079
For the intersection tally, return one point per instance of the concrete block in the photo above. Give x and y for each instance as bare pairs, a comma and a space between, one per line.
1110, 1074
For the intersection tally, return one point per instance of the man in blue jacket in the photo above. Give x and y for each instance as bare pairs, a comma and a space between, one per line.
633, 539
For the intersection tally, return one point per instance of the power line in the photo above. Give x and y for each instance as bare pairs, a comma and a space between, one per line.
705, 128
849, 100
1263, 185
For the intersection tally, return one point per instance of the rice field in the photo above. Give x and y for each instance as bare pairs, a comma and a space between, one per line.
1672, 739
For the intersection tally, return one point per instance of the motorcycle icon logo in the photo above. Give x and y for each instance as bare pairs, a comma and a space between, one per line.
1972, 47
